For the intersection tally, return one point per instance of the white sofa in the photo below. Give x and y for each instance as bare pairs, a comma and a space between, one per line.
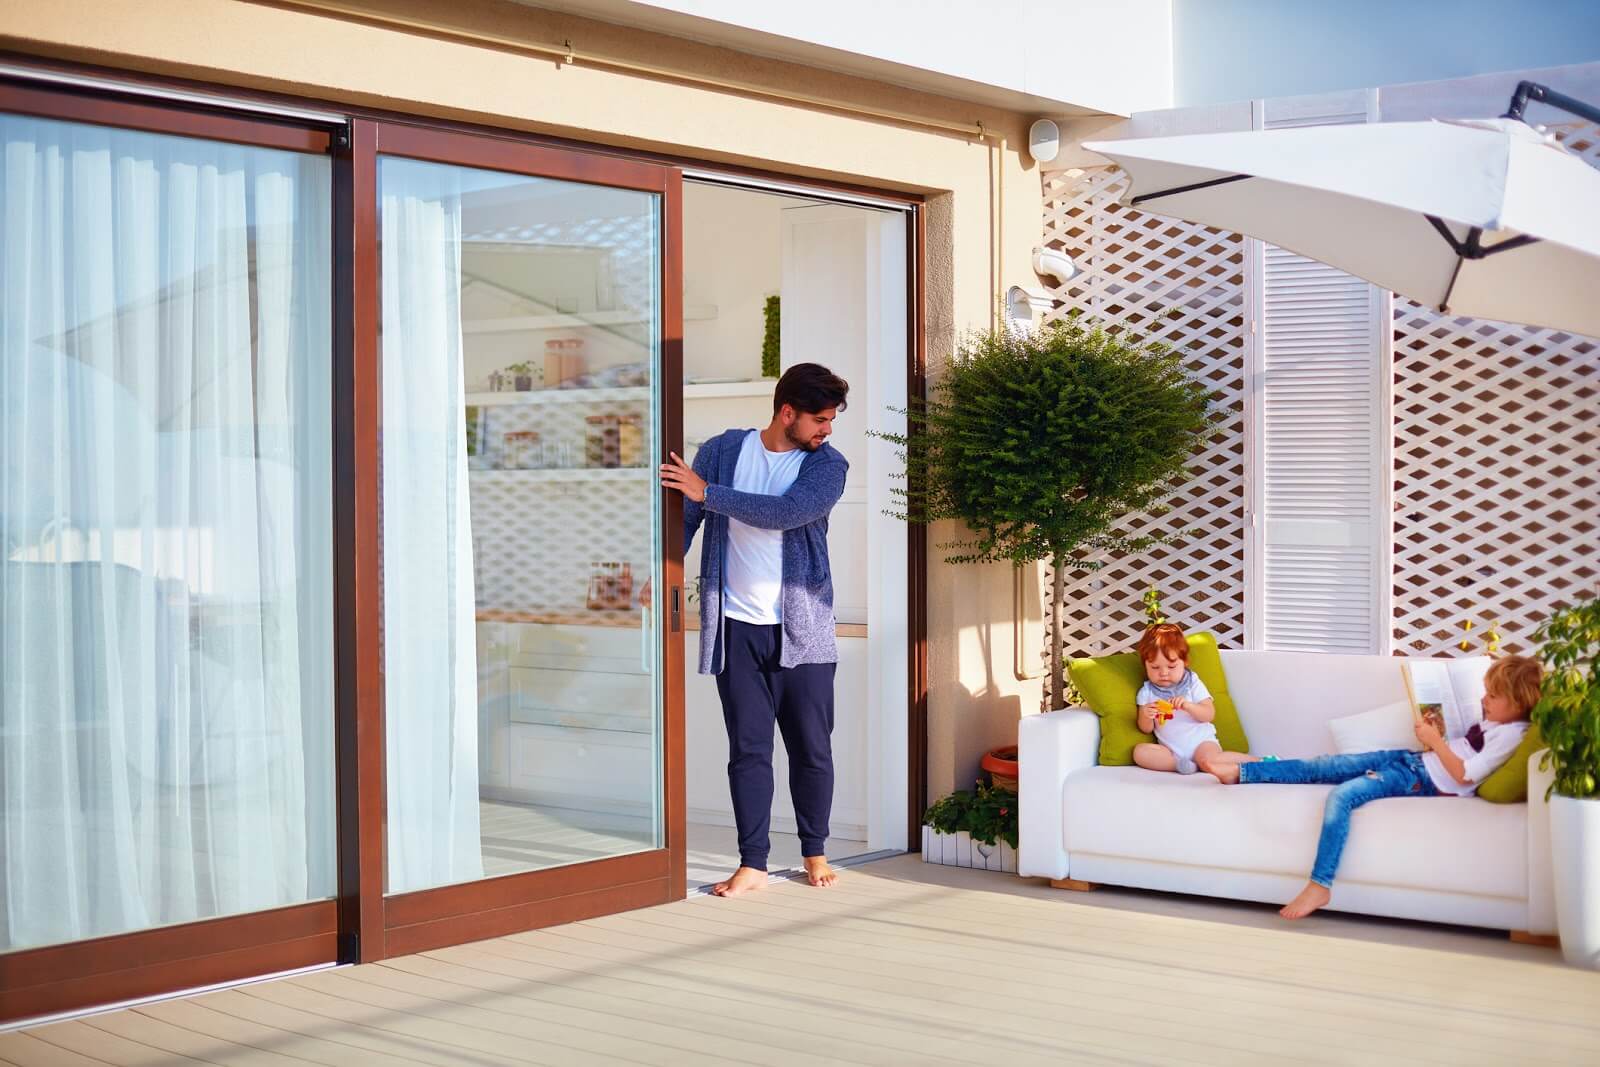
1440, 859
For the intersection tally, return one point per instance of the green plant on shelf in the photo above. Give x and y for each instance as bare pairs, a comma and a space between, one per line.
989, 815
770, 340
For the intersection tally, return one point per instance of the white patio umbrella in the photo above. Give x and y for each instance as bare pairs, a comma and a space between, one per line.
1489, 218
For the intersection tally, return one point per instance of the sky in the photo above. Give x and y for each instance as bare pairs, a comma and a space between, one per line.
1225, 50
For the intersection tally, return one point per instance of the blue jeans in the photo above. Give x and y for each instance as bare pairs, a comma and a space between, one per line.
1360, 778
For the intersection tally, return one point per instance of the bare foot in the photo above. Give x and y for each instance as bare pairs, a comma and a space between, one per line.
818, 873
1312, 897
743, 880
1227, 773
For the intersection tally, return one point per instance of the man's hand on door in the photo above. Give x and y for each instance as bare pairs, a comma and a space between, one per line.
676, 474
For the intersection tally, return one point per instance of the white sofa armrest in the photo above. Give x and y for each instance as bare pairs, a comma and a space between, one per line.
1541, 880
1049, 747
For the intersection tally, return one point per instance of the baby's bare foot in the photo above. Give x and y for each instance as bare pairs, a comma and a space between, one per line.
1312, 897
743, 880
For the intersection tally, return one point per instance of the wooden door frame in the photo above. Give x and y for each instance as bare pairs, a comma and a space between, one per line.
412, 922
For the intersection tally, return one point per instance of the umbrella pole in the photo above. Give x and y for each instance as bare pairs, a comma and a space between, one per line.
1526, 91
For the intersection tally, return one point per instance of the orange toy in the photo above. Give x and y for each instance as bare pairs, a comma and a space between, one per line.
1164, 709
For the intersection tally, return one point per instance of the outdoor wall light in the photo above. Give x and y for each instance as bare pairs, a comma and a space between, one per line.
1023, 304
1044, 140
1053, 263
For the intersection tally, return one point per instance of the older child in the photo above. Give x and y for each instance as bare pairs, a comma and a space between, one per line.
1175, 704
1447, 768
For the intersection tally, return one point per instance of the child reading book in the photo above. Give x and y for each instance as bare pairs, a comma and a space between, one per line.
1444, 768
1175, 704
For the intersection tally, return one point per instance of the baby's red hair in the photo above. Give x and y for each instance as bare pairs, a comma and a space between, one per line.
1165, 639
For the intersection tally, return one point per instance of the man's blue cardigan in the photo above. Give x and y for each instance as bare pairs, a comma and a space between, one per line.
802, 515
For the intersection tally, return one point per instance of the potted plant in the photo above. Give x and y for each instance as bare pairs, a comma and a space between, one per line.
1568, 718
523, 376
972, 829
1041, 441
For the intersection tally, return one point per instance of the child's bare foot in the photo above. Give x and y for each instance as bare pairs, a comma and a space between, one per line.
743, 880
818, 873
1227, 773
1312, 897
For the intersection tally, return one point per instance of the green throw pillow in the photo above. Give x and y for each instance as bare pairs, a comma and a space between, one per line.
1508, 784
1109, 685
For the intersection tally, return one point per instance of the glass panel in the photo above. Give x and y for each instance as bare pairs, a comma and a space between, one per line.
520, 367
166, 692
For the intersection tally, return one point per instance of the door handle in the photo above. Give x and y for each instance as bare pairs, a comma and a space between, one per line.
677, 614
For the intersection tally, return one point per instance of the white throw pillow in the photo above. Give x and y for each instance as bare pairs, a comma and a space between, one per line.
1376, 730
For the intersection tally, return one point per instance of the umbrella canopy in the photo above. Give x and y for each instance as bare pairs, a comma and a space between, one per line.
1488, 218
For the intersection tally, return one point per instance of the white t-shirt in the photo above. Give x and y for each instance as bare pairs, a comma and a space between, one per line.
1500, 739
1182, 733
753, 579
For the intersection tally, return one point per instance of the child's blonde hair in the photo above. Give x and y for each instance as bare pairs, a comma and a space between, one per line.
1165, 639
1517, 678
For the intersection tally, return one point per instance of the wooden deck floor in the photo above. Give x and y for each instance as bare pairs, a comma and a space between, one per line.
902, 963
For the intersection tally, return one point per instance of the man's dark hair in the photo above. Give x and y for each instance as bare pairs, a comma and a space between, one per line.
811, 388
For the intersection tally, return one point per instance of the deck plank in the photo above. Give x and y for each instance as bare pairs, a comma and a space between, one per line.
900, 963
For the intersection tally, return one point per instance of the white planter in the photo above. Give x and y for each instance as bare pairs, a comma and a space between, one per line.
1575, 856
960, 850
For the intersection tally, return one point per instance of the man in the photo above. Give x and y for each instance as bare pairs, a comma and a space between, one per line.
766, 607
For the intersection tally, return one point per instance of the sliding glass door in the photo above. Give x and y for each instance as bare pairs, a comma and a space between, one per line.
166, 613
328, 531
522, 345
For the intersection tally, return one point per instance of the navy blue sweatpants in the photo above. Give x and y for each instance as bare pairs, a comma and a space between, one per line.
756, 692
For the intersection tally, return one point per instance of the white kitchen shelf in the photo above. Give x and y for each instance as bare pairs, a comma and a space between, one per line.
612, 395
572, 320
624, 394
715, 390
562, 474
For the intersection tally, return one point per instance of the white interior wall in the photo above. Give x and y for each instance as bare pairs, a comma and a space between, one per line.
731, 263
844, 291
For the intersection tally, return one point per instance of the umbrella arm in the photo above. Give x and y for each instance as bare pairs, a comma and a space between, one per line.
1526, 91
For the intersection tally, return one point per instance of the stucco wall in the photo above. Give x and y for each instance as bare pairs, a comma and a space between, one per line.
975, 697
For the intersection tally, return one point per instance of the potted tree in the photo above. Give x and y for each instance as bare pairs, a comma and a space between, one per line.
1040, 441
1568, 717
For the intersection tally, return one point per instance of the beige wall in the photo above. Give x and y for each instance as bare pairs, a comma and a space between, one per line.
975, 697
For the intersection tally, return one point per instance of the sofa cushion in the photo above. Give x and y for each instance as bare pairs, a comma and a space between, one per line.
1110, 684
1378, 730
1460, 844
1287, 699
1508, 784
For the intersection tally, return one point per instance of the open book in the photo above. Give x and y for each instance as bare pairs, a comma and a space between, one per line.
1446, 692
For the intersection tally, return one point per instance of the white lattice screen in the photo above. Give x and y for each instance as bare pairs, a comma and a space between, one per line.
1496, 447
1183, 285
1496, 456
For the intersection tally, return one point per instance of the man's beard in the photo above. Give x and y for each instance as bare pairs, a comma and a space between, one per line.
798, 441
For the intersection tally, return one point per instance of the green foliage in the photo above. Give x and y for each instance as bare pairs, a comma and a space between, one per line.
1152, 607
770, 366
989, 815
1568, 712
1041, 441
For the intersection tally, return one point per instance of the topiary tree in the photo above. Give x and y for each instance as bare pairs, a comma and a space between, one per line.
1041, 441
771, 352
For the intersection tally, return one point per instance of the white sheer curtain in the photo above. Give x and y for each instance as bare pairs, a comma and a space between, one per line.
429, 613
165, 524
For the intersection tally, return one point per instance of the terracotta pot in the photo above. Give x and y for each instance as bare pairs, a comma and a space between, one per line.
1001, 763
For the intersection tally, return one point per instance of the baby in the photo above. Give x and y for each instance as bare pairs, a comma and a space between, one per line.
1174, 703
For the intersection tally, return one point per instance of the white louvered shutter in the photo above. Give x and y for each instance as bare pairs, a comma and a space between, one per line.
1320, 456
